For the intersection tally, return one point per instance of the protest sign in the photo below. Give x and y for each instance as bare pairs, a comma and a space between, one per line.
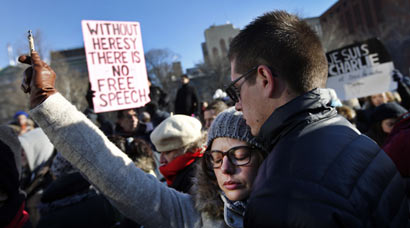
116, 64
360, 69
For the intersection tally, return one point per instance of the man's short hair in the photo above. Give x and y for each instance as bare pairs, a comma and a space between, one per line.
287, 45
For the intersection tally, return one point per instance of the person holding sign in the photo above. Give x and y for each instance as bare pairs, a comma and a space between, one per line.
225, 177
320, 172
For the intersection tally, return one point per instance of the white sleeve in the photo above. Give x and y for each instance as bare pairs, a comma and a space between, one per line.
137, 195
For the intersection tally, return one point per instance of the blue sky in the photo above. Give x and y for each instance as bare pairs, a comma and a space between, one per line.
174, 24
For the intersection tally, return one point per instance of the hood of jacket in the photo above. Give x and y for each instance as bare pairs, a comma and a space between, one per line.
205, 193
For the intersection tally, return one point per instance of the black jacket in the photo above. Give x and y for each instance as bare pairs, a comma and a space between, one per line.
184, 179
9, 185
186, 101
69, 202
321, 172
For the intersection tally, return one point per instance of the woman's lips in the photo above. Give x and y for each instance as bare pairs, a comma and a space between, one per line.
231, 185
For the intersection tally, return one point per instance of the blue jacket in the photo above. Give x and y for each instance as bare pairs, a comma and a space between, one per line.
321, 172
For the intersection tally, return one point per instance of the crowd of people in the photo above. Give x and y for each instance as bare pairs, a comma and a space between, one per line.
288, 153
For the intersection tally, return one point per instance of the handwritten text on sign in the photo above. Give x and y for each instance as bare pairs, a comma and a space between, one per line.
116, 64
360, 70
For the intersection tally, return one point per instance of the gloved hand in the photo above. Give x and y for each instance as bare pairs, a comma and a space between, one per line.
39, 79
397, 76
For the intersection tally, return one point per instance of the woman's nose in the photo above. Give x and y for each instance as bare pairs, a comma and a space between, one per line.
227, 167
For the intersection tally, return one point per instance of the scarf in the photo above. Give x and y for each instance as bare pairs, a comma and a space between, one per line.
20, 219
170, 170
234, 211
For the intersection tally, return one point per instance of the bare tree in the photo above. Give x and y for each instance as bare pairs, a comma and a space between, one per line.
159, 66
71, 83
218, 75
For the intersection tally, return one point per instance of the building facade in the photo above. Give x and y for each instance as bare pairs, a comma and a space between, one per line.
357, 20
217, 40
314, 23
75, 59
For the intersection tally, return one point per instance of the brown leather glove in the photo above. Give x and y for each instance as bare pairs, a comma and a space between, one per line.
39, 79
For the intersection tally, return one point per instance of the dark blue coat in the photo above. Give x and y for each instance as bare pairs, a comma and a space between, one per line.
321, 172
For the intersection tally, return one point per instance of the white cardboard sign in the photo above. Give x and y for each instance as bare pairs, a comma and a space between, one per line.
360, 70
116, 64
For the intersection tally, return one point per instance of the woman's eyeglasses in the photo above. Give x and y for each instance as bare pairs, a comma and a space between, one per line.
238, 156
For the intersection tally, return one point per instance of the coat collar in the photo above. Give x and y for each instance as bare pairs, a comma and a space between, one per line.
234, 212
306, 108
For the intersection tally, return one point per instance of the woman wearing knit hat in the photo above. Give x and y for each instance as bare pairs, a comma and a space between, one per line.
229, 167
22, 123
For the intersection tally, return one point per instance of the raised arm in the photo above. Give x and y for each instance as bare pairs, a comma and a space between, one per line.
136, 194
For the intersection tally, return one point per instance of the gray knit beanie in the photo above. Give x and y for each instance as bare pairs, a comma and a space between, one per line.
231, 124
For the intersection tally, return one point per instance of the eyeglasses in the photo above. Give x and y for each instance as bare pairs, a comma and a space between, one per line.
238, 156
233, 92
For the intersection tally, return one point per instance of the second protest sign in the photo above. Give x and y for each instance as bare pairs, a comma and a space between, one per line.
360, 70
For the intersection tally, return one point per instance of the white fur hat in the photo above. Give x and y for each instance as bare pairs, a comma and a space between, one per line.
176, 132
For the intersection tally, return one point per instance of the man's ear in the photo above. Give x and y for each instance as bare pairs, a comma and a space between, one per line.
267, 80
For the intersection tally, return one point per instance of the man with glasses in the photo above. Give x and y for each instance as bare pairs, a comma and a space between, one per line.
321, 172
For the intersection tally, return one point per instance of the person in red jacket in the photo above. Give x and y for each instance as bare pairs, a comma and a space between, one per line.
397, 144
12, 198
